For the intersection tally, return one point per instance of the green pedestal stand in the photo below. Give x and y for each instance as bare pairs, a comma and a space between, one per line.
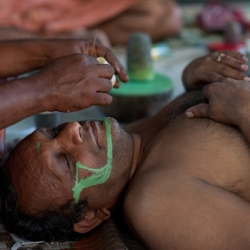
139, 99
147, 91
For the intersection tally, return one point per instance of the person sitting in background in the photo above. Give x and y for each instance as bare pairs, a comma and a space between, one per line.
179, 183
74, 18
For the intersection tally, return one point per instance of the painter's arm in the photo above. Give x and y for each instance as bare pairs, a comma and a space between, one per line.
70, 83
208, 69
21, 56
69, 77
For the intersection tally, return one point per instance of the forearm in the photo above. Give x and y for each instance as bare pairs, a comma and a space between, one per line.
18, 100
21, 56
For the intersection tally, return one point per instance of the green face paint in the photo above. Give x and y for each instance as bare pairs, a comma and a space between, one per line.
100, 175
38, 145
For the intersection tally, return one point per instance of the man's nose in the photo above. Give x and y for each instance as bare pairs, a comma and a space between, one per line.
71, 133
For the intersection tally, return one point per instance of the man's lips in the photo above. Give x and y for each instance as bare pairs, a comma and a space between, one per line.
96, 129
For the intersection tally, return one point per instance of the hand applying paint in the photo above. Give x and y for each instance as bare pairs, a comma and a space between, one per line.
69, 78
73, 83
102, 60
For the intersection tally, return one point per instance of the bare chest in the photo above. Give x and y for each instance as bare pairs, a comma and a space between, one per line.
212, 152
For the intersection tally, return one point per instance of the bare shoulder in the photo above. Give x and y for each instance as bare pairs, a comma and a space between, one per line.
184, 212
169, 113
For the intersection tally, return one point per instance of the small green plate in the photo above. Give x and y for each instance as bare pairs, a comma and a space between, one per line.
160, 84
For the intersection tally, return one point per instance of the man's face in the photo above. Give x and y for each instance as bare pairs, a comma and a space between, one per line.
75, 160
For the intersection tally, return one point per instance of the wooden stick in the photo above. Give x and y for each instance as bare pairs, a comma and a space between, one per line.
93, 45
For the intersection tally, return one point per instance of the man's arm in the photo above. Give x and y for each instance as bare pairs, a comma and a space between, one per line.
69, 83
69, 79
208, 69
21, 56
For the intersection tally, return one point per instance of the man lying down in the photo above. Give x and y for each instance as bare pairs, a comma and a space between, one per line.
180, 183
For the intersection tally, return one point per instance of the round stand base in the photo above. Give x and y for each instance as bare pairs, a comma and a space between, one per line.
137, 100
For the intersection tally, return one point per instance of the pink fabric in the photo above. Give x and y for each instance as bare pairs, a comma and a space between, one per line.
216, 15
53, 16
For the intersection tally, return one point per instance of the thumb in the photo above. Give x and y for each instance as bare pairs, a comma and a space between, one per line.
200, 110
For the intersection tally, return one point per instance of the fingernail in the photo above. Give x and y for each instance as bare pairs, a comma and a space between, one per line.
189, 114
243, 66
245, 58
247, 78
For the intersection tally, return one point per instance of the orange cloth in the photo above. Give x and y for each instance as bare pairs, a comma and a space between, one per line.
52, 16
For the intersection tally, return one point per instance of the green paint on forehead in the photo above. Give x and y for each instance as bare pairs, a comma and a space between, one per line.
99, 175
38, 145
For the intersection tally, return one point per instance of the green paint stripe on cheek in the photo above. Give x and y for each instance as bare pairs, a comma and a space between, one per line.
99, 175
38, 146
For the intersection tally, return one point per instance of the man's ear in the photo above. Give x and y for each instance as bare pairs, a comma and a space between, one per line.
92, 218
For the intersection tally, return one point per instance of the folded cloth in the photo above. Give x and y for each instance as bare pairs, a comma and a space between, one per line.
108, 236
59, 15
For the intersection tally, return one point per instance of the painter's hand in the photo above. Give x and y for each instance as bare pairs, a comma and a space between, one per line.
91, 48
228, 102
73, 83
214, 68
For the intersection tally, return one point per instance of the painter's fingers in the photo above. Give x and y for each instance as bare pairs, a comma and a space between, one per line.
112, 59
104, 70
117, 85
198, 111
102, 99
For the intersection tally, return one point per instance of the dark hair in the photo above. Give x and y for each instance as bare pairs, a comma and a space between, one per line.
47, 226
